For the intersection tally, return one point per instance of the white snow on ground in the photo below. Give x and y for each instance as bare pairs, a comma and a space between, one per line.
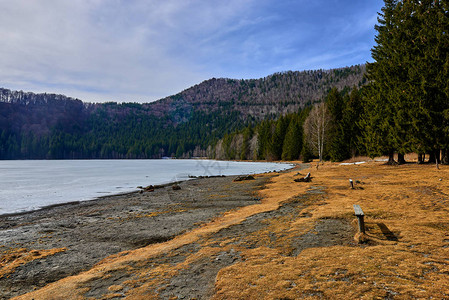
353, 163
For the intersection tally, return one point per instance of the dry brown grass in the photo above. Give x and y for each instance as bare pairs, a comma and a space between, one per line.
407, 254
10, 259
407, 257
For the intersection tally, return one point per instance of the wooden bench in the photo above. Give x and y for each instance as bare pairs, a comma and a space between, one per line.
360, 217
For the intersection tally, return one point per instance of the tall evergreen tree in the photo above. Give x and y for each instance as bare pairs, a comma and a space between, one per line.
278, 138
351, 118
406, 99
429, 70
337, 146
380, 136
293, 140
264, 136
247, 135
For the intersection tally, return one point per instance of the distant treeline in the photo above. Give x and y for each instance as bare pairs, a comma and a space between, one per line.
132, 135
49, 126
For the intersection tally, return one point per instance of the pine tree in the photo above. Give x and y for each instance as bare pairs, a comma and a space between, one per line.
351, 119
247, 135
293, 140
430, 70
264, 136
379, 137
337, 145
277, 143
406, 98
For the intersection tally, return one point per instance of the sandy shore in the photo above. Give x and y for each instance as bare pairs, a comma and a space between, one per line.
87, 232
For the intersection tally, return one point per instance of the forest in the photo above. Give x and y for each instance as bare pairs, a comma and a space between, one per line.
48, 126
406, 107
292, 136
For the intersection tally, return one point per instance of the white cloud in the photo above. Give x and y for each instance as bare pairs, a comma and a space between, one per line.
98, 45
139, 50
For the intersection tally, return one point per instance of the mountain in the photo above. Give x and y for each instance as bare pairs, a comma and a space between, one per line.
50, 126
276, 94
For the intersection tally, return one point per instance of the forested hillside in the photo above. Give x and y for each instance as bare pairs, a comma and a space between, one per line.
49, 126
273, 95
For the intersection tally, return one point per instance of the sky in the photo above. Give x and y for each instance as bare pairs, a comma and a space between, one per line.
145, 50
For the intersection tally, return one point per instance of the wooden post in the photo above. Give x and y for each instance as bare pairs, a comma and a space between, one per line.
360, 217
351, 183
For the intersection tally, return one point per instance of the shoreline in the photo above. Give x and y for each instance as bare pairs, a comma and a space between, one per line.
136, 189
77, 202
92, 230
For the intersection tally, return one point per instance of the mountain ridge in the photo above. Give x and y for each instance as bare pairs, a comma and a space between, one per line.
289, 89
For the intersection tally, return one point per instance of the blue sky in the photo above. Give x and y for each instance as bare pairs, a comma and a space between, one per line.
144, 50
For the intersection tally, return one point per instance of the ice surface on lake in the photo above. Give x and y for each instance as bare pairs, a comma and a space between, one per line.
31, 184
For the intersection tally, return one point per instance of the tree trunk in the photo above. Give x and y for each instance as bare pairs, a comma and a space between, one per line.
401, 159
445, 157
434, 157
421, 158
431, 158
391, 160
437, 158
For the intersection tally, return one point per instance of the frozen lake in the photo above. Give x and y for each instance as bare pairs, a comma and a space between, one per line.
32, 184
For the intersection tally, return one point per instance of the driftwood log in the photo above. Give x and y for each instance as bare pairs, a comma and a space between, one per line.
149, 188
247, 177
308, 178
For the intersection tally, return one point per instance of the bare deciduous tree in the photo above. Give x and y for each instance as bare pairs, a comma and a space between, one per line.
316, 128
